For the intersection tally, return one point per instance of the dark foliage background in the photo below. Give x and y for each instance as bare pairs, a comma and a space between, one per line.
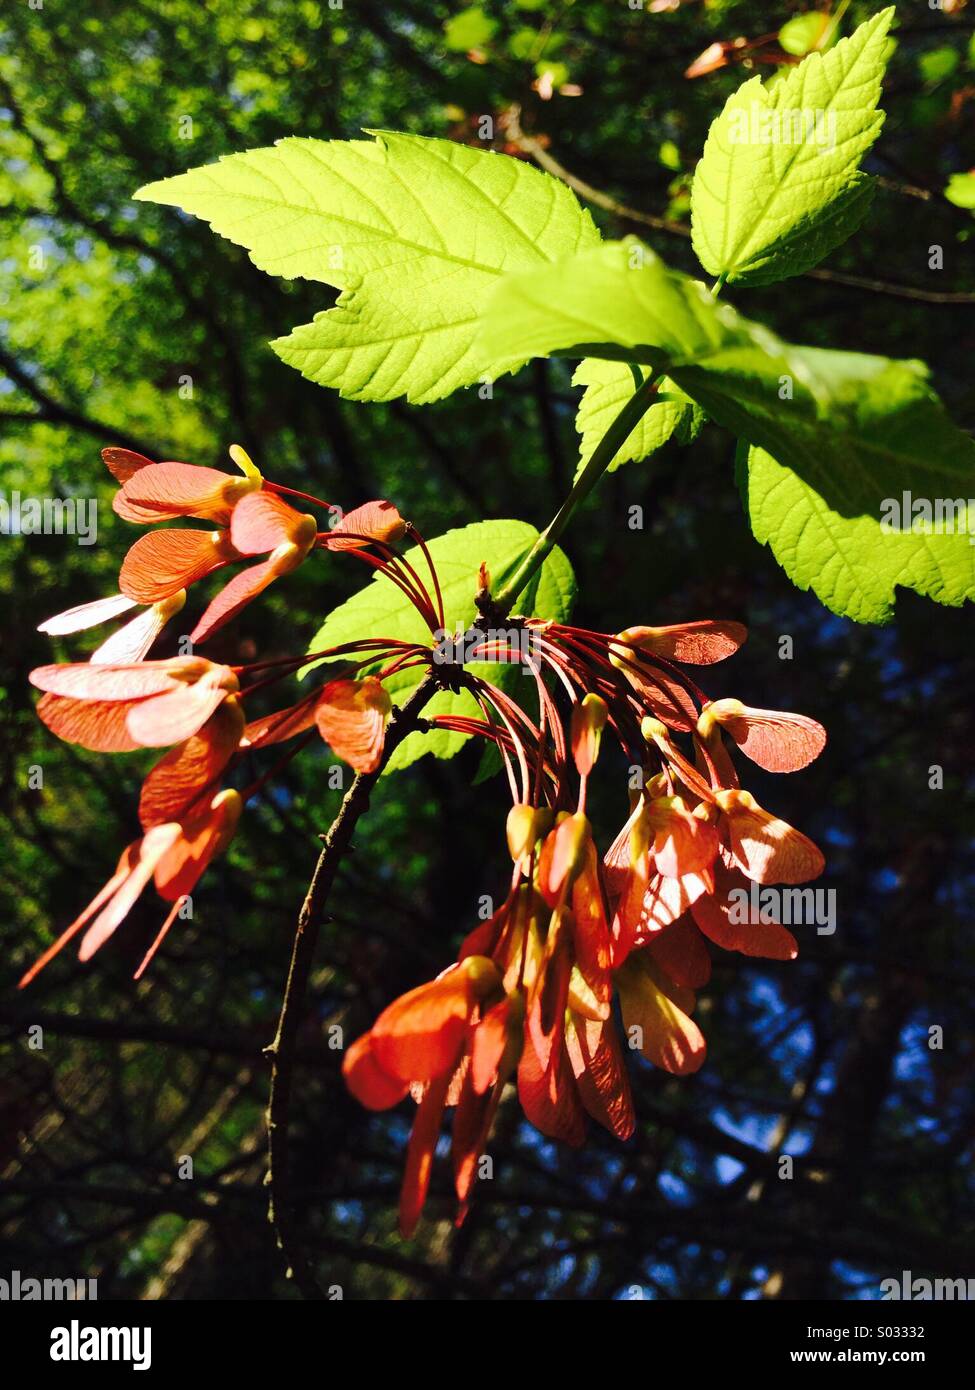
826, 1059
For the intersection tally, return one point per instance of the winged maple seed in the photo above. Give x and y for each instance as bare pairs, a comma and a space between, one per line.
530, 997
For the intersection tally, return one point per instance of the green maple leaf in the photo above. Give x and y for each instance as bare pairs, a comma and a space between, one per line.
382, 610
414, 232
838, 523
849, 562
848, 429
778, 186
618, 298
609, 385
621, 303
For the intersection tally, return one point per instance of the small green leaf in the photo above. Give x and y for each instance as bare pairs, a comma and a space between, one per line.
558, 73
489, 766
609, 385
939, 63
525, 43
382, 610
805, 32
470, 29
778, 186
961, 190
669, 155
414, 232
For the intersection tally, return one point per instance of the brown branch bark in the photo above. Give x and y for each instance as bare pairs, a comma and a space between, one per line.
282, 1050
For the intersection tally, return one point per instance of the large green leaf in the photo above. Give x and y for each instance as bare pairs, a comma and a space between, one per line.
621, 301
803, 404
877, 429
850, 429
890, 503
778, 186
382, 610
414, 232
829, 463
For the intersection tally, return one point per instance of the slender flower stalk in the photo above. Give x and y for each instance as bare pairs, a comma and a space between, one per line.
602, 456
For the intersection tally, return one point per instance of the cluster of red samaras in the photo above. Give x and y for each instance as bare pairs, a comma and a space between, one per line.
118, 701
530, 997
531, 994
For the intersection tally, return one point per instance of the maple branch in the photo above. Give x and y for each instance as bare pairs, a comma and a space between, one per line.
541, 156
16, 1017
281, 1051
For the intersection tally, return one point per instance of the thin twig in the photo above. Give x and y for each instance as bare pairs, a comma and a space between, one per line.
282, 1050
544, 160
585, 190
